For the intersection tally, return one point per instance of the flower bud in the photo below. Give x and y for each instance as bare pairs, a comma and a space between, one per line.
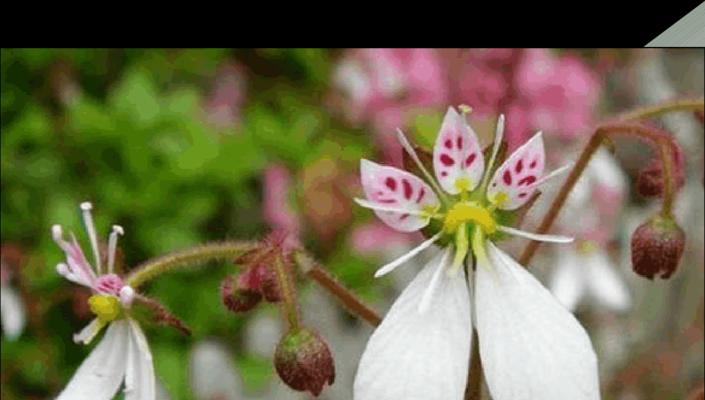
657, 246
650, 179
236, 298
304, 362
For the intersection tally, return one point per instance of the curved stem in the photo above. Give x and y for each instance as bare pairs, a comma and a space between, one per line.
150, 269
649, 134
663, 108
347, 298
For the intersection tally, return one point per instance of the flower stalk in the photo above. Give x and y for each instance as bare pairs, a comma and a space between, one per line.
287, 290
345, 296
150, 269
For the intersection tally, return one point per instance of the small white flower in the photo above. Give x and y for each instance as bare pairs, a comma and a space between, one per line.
531, 346
12, 310
123, 352
591, 213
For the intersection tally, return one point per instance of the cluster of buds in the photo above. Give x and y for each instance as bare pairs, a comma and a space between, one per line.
650, 180
302, 358
243, 292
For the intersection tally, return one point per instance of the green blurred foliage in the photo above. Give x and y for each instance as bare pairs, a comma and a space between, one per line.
134, 141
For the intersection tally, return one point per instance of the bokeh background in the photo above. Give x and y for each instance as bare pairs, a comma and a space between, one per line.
185, 146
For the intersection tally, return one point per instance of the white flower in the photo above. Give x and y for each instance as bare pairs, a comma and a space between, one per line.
531, 347
123, 352
12, 310
591, 214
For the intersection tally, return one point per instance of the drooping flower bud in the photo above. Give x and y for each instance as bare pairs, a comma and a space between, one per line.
650, 179
304, 362
657, 246
236, 298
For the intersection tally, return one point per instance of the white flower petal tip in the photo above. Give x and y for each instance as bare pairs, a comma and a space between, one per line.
536, 236
433, 347
89, 332
127, 296
387, 268
516, 315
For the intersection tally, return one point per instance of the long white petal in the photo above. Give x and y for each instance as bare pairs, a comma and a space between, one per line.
568, 280
420, 356
140, 383
604, 281
535, 236
100, 375
553, 174
531, 346
431, 290
387, 268
12, 312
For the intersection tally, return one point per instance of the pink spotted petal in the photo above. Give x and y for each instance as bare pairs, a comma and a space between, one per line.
392, 188
515, 180
457, 156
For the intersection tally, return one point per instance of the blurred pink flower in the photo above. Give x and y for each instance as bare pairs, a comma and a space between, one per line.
376, 237
277, 211
226, 97
561, 92
383, 85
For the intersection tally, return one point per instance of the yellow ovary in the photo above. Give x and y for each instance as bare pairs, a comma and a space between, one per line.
106, 307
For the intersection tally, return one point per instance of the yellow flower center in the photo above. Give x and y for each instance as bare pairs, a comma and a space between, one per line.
106, 307
463, 212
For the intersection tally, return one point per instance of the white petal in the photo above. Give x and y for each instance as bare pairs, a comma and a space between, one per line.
568, 280
535, 236
420, 356
100, 375
12, 312
531, 346
387, 268
88, 333
604, 281
140, 383
431, 290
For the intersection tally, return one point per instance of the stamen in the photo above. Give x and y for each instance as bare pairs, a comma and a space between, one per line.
553, 174
401, 260
410, 150
498, 137
57, 234
373, 206
63, 270
535, 236
112, 245
127, 295
90, 228
462, 245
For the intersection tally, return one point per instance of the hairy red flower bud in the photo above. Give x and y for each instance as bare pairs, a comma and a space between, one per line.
304, 362
650, 179
657, 246
236, 298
